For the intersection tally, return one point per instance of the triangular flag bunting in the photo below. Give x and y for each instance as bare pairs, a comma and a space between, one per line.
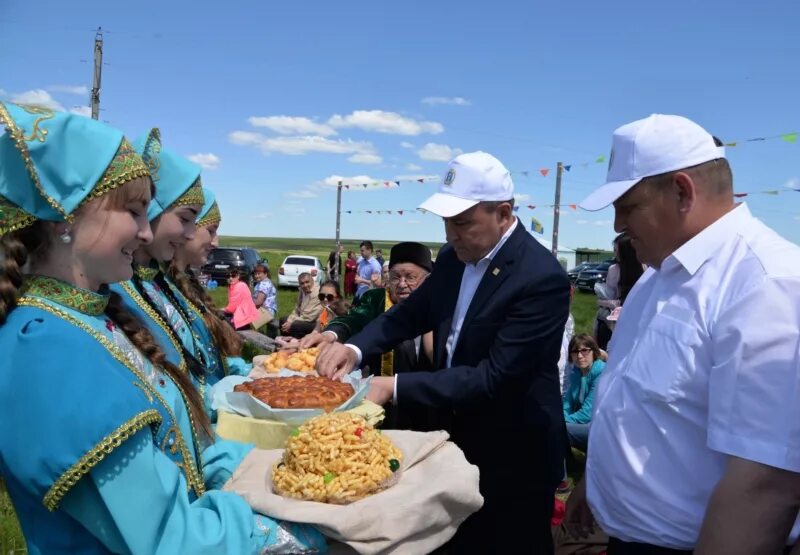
544, 172
422, 180
600, 159
790, 137
349, 211
516, 209
771, 192
573, 206
400, 212
730, 144
756, 139
365, 185
369, 211
398, 183
531, 206
567, 167
525, 173
740, 195
389, 211
347, 187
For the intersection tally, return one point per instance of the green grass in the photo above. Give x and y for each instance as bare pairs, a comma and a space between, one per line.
584, 307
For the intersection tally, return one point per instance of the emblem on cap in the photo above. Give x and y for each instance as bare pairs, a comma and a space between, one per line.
450, 177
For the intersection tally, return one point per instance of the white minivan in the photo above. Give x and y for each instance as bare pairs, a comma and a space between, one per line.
296, 264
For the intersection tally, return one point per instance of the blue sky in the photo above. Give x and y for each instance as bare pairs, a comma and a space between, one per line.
280, 99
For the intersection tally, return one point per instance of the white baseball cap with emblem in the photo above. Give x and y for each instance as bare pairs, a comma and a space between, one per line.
471, 178
652, 146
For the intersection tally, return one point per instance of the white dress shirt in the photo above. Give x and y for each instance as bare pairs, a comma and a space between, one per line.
473, 274
703, 365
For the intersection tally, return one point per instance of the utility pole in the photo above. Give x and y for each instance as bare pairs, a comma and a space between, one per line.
338, 224
557, 208
98, 69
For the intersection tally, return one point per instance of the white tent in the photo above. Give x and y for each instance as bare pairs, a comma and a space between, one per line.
566, 255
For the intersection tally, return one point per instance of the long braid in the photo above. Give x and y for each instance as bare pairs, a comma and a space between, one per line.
143, 340
194, 365
18, 246
225, 337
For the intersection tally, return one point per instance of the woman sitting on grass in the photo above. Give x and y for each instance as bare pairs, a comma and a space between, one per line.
584, 371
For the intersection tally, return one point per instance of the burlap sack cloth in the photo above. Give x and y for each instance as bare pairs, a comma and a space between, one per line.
437, 491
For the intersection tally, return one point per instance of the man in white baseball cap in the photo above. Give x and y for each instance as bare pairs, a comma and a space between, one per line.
695, 439
497, 302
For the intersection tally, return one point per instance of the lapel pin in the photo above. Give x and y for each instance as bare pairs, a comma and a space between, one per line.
495, 272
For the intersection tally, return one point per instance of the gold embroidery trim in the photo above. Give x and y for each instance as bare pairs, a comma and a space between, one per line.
18, 138
155, 317
193, 195
45, 113
213, 216
12, 217
96, 454
198, 343
194, 479
137, 298
125, 166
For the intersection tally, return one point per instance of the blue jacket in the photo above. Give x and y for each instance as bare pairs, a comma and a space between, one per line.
579, 397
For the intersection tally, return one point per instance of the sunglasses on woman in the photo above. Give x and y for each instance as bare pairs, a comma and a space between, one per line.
584, 351
323, 297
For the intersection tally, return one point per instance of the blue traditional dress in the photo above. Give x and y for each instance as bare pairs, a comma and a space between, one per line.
98, 448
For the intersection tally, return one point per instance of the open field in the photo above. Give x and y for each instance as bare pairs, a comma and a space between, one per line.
274, 251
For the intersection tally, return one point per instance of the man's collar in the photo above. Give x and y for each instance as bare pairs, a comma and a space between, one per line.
693, 254
492, 253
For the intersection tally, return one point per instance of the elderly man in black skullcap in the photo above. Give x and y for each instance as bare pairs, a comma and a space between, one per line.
409, 265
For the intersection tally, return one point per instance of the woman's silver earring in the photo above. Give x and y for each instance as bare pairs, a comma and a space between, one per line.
66, 238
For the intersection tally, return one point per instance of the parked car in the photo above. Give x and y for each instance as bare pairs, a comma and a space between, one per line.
573, 273
296, 264
224, 259
588, 277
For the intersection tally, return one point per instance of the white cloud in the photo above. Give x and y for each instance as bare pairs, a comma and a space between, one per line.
437, 100
438, 153
80, 90
207, 160
520, 197
299, 145
406, 144
603, 223
263, 215
289, 125
81, 111
37, 96
413, 167
582, 222
301, 194
333, 180
295, 210
793, 183
365, 159
385, 122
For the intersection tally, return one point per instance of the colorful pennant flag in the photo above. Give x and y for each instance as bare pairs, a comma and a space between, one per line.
740, 195
400, 212
574, 206
421, 180
544, 172
536, 226
525, 173
790, 137
600, 159
771, 192
567, 167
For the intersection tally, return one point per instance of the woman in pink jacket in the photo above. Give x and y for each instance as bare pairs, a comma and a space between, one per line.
240, 302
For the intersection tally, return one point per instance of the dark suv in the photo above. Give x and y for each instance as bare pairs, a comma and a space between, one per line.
596, 274
224, 259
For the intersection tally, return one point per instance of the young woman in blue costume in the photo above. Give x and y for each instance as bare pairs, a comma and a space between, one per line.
105, 447
150, 294
194, 301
